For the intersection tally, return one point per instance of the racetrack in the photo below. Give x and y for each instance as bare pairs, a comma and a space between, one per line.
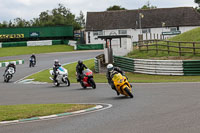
156, 108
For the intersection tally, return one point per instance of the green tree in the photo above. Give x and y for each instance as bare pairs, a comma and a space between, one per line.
4, 24
198, 2
81, 20
57, 16
19, 22
115, 7
148, 6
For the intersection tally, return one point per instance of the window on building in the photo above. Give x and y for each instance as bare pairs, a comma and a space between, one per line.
122, 32
97, 33
173, 29
146, 31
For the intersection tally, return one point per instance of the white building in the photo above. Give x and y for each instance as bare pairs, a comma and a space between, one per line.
151, 23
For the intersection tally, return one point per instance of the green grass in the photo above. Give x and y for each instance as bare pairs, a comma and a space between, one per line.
14, 112
6, 60
10, 51
161, 55
189, 36
101, 78
43, 76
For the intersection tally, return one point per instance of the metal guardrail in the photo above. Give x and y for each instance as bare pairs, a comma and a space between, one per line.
191, 67
96, 65
158, 67
125, 64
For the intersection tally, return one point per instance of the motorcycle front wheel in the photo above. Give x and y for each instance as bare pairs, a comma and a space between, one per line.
92, 83
128, 92
67, 81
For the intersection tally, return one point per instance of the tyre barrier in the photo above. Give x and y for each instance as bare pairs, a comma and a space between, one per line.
17, 62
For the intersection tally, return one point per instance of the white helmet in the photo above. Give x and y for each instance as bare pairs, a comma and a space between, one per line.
110, 67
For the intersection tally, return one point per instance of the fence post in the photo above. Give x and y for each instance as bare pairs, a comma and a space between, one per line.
156, 47
168, 47
179, 45
194, 48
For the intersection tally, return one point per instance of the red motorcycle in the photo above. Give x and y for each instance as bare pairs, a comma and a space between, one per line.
87, 79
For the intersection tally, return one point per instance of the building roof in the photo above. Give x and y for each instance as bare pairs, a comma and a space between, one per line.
153, 18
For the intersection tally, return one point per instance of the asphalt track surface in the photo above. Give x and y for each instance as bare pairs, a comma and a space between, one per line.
156, 107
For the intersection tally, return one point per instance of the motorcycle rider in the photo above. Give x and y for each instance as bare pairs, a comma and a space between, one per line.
109, 75
79, 70
32, 57
55, 68
11, 64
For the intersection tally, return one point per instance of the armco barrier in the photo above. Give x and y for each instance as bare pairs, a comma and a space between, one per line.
158, 67
191, 67
96, 65
126, 64
89, 46
33, 43
14, 44
17, 62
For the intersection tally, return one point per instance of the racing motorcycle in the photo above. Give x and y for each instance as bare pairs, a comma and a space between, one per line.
87, 79
32, 62
62, 76
9, 74
122, 85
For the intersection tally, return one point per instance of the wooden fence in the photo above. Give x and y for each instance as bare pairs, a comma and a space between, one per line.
170, 46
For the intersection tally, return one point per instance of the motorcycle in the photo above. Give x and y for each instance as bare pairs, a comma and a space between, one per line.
122, 85
62, 76
9, 74
87, 79
32, 62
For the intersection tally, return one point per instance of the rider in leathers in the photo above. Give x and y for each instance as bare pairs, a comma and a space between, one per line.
55, 67
109, 75
79, 69
11, 64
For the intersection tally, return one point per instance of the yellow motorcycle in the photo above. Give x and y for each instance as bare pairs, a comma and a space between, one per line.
122, 85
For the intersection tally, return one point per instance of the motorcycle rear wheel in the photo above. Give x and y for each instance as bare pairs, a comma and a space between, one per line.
6, 78
56, 84
82, 84
128, 92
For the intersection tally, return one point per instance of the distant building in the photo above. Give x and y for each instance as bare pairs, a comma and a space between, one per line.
152, 24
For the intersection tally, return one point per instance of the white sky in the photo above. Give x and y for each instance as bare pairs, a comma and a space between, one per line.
29, 9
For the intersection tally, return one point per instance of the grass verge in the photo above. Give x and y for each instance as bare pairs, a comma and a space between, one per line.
15, 112
6, 60
43, 76
10, 51
101, 78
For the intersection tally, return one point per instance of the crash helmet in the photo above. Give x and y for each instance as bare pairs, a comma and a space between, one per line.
56, 62
80, 62
110, 67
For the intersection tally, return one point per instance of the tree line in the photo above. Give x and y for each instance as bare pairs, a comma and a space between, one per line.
57, 16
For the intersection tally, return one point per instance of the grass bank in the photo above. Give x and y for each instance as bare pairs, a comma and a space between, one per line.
13, 51
15, 112
101, 78
189, 36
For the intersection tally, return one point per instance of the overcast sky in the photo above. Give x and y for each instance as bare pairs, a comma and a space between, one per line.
29, 9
